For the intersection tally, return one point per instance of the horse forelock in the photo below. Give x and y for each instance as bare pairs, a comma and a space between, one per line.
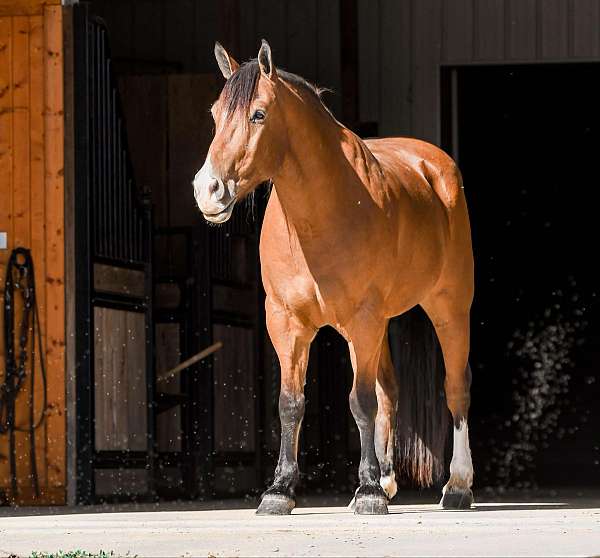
240, 88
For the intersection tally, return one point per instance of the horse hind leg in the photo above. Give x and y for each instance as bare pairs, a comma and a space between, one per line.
385, 421
452, 328
365, 339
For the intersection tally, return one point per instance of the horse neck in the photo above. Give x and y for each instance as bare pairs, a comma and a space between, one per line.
327, 173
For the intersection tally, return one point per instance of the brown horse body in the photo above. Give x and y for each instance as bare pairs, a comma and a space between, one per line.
355, 233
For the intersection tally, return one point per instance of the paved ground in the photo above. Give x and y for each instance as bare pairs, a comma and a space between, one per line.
555, 524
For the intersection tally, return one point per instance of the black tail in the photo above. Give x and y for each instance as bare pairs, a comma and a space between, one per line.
423, 416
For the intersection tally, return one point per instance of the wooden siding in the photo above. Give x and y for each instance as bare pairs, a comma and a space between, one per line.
403, 45
32, 213
120, 380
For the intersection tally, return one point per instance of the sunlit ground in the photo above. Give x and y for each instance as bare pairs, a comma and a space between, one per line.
541, 523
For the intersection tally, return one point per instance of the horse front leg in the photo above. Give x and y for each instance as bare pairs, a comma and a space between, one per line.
365, 342
291, 341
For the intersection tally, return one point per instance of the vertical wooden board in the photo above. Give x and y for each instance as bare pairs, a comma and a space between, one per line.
249, 40
553, 29
328, 53
302, 38
234, 389
205, 25
20, 203
521, 29
180, 33
168, 355
370, 56
457, 37
135, 380
585, 29
55, 312
119, 19
489, 29
144, 100
271, 24
190, 134
119, 380
37, 208
20, 123
396, 73
148, 35
426, 69
6, 191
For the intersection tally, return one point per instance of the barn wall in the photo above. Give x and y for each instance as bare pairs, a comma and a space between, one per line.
178, 36
403, 44
32, 212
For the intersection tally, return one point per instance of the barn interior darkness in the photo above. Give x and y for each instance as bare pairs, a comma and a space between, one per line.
527, 140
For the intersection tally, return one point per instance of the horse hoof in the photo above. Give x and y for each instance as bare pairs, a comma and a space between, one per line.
276, 504
455, 498
370, 501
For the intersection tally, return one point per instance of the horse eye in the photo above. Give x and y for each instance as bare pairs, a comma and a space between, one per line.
258, 116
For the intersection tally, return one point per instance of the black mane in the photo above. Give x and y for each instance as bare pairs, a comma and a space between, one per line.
240, 88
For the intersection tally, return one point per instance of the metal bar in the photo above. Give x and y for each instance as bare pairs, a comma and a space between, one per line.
164, 376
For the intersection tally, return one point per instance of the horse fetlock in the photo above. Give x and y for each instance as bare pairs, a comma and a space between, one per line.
389, 485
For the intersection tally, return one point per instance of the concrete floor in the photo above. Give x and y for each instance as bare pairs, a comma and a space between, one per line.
554, 524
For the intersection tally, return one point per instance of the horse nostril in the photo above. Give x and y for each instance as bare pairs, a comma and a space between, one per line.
213, 187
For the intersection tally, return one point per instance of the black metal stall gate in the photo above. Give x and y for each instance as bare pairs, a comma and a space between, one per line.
113, 275
145, 300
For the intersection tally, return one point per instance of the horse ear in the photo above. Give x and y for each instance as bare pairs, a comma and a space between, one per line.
265, 60
226, 63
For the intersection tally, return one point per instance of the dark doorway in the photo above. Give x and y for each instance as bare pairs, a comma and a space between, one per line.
528, 139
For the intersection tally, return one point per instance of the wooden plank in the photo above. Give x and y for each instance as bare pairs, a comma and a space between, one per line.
119, 19
585, 29
205, 25
426, 74
489, 30
457, 36
521, 29
168, 355
136, 382
20, 77
249, 40
234, 413
144, 100
553, 29
271, 24
370, 58
396, 52
6, 166
38, 210
328, 53
180, 34
20, 208
55, 312
302, 38
119, 380
24, 7
119, 280
190, 134
148, 37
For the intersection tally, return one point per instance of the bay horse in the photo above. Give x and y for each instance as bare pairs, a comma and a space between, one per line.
355, 233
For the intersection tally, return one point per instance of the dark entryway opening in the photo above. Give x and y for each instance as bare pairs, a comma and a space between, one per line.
527, 139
